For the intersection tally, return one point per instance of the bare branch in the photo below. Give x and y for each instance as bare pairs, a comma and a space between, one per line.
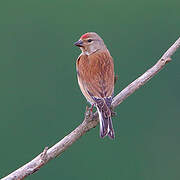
147, 75
90, 121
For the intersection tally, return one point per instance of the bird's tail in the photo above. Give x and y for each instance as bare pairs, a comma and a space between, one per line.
106, 127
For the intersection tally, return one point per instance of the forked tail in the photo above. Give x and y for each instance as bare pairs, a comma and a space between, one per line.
106, 127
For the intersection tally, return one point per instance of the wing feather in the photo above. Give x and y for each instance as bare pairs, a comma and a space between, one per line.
96, 74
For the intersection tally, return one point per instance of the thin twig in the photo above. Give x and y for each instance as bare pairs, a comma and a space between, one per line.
89, 121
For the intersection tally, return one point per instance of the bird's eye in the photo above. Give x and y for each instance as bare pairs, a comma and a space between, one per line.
89, 40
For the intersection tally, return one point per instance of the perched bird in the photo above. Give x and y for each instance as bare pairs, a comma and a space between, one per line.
95, 73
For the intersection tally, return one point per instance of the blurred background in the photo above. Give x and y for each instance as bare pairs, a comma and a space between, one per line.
40, 101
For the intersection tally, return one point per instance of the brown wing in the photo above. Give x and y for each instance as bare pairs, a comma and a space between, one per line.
96, 74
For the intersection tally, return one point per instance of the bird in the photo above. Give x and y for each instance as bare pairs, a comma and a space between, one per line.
95, 74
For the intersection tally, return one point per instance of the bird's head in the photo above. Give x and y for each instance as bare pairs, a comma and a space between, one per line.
90, 43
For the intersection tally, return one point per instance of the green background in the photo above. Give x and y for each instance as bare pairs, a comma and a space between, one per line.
40, 101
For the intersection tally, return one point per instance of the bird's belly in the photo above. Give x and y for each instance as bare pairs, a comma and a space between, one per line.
85, 93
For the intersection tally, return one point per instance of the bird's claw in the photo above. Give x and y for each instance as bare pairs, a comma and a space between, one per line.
113, 113
88, 114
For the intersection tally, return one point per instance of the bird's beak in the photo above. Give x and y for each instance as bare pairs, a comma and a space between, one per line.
79, 43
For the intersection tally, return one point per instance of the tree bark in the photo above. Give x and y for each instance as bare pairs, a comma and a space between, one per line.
90, 120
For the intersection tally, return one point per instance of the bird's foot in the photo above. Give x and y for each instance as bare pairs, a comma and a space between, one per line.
89, 114
91, 108
113, 113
